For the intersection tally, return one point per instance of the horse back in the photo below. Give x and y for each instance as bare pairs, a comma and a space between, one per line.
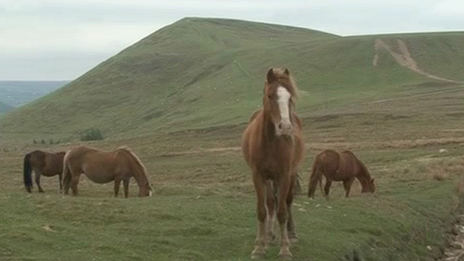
350, 163
328, 161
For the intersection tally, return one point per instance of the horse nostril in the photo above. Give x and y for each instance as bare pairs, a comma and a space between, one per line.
280, 126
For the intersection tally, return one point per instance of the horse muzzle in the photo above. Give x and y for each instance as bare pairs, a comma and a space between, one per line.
284, 129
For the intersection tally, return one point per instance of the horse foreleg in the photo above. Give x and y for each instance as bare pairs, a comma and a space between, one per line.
347, 184
328, 183
260, 242
290, 223
270, 204
37, 180
117, 183
126, 188
282, 216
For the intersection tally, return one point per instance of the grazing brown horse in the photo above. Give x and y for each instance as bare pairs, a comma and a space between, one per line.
344, 166
103, 167
42, 163
273, 147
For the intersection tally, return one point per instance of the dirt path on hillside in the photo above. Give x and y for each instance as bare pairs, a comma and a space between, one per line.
404, 59
455, 250
396, 144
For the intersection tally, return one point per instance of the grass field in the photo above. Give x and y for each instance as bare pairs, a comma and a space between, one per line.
183, 113
203, 207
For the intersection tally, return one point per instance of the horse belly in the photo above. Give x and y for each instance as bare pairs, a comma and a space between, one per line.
50, 171
101, 175
97, 178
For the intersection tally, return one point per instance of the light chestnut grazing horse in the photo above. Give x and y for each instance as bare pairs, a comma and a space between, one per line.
273, 148
344, 166
103, 167
42, 163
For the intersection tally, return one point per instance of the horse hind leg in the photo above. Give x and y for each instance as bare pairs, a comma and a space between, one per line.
60, 181
75, 174
38, 173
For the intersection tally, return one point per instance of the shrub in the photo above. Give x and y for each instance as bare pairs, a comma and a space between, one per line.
91, 134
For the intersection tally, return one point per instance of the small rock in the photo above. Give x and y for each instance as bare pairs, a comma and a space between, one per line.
429, 248
302, 209
329, 207
48, 228
443, 151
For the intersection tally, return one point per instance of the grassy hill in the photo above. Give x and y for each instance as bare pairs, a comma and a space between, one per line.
200, 73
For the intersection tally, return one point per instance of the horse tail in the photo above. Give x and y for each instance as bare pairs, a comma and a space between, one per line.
314, 179
66, 174
27, 173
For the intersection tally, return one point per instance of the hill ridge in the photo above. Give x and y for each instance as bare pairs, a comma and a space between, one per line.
181, 78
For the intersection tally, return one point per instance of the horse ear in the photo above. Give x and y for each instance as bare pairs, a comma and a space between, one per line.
372, 180
287, 72
270, 75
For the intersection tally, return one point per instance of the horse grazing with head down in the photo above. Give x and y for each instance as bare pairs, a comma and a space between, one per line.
344, 166
42, 163
273, 147
103, 167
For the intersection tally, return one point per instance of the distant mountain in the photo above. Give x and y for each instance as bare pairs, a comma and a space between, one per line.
17, 93
199, 73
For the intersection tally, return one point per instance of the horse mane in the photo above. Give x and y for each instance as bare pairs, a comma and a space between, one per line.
136, 159
283, 77
364, 175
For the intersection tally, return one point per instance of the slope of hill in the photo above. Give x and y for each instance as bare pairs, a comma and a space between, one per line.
17, 93
206, 72
5, 107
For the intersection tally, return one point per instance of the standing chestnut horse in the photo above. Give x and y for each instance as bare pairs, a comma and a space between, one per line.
42, 163
344, 166
272, 145
103, 167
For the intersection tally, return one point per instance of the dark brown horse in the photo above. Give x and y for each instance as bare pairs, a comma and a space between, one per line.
273, 147
103, 167
42, 163
344, 166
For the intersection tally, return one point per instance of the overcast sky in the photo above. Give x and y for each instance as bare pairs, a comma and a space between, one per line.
62, 39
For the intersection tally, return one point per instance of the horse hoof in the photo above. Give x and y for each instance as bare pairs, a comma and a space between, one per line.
285, 256
293, 238
257, 254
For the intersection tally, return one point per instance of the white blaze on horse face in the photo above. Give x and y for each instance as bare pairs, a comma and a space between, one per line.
285, 126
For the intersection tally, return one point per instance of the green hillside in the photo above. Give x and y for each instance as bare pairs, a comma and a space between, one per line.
199, 73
